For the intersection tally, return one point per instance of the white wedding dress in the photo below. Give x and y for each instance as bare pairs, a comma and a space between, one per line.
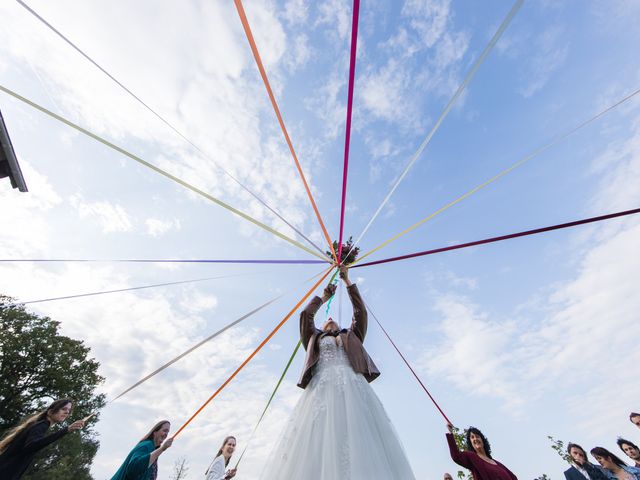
339, 429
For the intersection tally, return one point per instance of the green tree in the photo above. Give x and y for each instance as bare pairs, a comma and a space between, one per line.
559, 447
37, 366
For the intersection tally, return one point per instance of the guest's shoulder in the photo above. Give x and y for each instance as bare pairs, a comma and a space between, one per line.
146, 445
40, 426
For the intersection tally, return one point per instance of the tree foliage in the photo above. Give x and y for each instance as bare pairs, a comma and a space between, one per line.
37, 366
560, 448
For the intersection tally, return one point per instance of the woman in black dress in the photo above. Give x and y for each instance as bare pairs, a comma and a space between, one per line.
18, 448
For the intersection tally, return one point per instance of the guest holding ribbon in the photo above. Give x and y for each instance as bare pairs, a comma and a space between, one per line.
477, 456
218, 468
18, 448
142, 461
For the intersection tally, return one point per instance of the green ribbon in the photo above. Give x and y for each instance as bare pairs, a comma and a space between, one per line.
333, 281
273, 394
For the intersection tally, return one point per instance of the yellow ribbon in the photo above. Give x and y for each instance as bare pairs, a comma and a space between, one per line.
519, 163
160, 171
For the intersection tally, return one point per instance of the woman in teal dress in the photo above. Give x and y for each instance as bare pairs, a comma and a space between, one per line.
142, 462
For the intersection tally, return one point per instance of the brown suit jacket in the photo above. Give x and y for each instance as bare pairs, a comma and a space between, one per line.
352, 339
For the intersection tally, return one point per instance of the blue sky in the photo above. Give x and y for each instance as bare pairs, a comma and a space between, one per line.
523, 339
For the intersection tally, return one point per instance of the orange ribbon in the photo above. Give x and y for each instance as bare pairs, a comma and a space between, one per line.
265, 79
248, 359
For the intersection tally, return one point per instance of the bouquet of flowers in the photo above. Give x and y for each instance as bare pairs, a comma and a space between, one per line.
349, 252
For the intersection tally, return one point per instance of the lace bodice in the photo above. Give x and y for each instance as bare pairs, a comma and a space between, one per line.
332, 352
333, 365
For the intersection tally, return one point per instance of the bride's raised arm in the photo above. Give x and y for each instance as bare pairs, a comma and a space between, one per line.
307, 323
360, 319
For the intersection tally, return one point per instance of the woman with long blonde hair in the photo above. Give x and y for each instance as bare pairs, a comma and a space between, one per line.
20, 445
142, 461
218, 468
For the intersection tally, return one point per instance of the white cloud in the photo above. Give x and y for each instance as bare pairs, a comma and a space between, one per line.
550, 52
328, 105
157, 227
619, 170
383, 92
296, 11
299, 53
111, 217
474, 352
429, 18
382, 153
423, 57
28, 233
212, 95
336, 14
614, 14
198, 302
579, 332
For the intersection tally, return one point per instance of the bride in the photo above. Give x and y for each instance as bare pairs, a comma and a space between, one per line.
339, 429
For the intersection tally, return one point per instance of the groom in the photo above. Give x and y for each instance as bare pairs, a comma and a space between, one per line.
352, 338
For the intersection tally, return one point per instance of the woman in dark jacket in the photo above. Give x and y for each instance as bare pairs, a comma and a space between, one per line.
19, 447
477, 457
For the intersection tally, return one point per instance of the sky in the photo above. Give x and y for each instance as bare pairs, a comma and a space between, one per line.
523, 339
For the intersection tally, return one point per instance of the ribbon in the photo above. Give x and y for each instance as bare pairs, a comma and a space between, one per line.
159, 170
129, 260
272, 98
347, 135
253, 354
273, 394
410, 368
503, 26
164, 120
517, 164
503, 237
104, 292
